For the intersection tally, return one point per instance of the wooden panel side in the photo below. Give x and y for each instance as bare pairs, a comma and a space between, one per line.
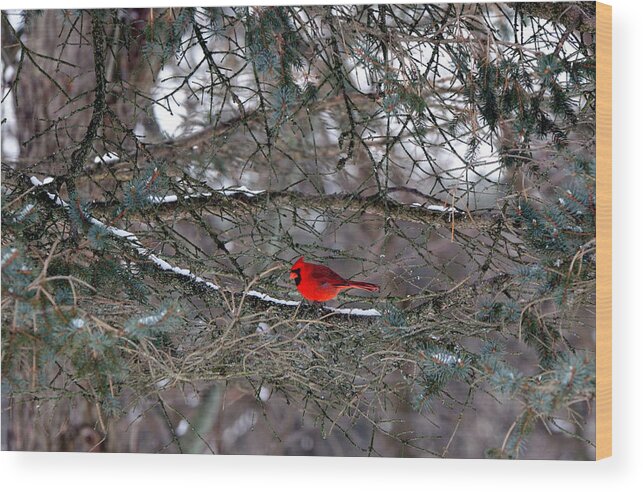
603, 231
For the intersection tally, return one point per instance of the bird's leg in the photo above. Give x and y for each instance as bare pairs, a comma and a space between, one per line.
309, 304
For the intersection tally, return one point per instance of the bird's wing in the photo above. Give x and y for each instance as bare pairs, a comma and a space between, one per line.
325, 275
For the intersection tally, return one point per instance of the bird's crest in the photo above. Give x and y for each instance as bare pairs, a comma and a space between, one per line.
298, 263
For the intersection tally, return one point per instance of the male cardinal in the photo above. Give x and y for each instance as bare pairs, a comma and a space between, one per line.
320, 283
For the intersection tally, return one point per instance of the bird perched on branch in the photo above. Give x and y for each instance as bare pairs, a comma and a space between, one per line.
320, 283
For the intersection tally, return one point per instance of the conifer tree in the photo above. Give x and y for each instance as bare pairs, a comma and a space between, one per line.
170, 164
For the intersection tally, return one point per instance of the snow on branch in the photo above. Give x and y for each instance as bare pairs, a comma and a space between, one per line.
166, 266
140, 249
355, 311
224, 191
108, 158
437, 208
423, 213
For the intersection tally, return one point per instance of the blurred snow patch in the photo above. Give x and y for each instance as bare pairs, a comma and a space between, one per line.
10, 144
263, 327
264, 393
139, 130
561, 425
162, 383
9, 72
16, 19
182, 428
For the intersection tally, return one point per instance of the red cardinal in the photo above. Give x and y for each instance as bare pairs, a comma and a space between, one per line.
320, 283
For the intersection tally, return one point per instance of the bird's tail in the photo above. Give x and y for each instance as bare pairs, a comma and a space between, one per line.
364, 286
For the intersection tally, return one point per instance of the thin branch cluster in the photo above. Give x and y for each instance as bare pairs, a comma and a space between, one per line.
170, 165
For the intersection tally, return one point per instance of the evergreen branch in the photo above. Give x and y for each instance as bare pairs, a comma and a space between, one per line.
375, 205
165, 266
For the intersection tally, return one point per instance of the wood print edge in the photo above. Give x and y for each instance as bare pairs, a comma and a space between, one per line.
604, 231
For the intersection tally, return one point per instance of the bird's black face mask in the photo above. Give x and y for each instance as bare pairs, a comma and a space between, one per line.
295, 274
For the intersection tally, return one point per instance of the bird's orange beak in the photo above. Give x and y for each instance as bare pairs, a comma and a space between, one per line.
293, 275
